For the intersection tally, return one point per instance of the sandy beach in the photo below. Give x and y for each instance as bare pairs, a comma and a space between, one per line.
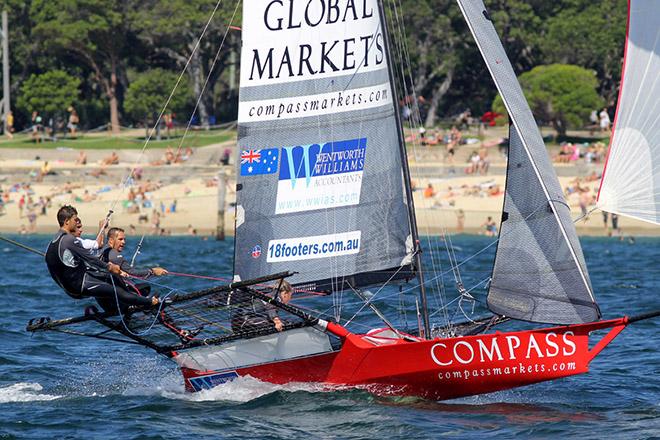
192, 186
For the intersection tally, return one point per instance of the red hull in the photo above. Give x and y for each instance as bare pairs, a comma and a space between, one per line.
440, 368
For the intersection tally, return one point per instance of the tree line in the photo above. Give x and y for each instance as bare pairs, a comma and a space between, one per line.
117, 61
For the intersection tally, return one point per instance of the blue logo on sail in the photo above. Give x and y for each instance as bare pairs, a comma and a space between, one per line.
307, 161
259, 161
321, 175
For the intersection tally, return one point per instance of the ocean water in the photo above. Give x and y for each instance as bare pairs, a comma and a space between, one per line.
54, 385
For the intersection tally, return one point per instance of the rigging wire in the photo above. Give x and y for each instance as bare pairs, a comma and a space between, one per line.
161, 304
452, 269
414, 122
208, 77
22, 246
366, 303
131, 173
137, 250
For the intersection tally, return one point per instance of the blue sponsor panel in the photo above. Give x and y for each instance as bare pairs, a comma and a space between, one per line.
256, 161
212, 380
336, 157
320, 176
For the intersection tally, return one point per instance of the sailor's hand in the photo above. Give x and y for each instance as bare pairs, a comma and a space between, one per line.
158, 271
123, 274
103, 224
115, 269
278, 324
154, 300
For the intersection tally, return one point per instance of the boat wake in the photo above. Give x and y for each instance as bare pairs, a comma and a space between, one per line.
239, 390
24, 392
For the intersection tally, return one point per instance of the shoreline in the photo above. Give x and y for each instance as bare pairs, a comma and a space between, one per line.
192, 187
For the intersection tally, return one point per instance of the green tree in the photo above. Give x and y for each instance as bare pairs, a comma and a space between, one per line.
149, 92
520, 24
97, 33
50, 92
425, 40
591, 35
559, 94
172, 29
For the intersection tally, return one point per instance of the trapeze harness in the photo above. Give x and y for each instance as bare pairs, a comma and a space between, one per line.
82, 275
110, 255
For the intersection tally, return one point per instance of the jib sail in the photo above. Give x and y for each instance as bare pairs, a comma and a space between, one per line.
320, 188
539, 274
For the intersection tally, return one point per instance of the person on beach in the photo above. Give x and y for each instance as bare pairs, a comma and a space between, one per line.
82, 275
615, 224
74, 120
82, 158
36, 127
113, 159
21, 205
9, 119
604, 120
491, 227
429, 191
460, 221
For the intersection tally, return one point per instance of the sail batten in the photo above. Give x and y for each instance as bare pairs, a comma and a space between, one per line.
539, 273
631, 178
320, 173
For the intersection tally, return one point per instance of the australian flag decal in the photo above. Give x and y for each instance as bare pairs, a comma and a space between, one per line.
255, 161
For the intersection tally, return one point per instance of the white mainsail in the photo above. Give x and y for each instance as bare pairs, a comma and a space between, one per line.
631, 178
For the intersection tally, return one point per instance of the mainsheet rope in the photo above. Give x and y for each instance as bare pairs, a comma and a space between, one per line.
161, 303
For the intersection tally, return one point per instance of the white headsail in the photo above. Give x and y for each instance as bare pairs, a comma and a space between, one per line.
631, 178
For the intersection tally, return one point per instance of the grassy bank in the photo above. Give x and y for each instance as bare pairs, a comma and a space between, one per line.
131, 140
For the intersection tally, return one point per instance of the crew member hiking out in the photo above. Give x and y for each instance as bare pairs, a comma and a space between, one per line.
112, 253
92, 246
82, 275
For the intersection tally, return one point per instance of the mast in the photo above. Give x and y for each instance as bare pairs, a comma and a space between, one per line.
406, 178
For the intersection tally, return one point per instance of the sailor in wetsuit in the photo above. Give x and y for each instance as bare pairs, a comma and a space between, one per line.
254, 314
82, 275
111, 252
92, 246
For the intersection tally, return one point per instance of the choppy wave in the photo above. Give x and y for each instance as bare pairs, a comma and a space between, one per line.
240, 390
124, 391
24, 392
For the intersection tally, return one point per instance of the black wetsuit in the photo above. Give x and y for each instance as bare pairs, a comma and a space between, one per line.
82, 275
113, 256
249, 314
109, 254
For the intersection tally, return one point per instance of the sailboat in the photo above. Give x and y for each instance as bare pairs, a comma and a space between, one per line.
324, 201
